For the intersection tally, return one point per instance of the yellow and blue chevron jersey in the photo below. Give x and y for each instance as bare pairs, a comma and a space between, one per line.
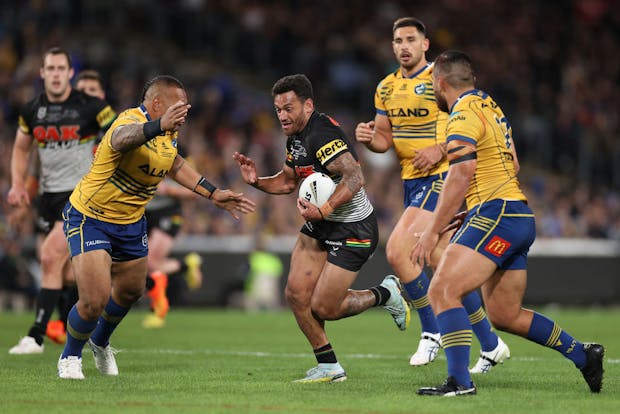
409, 103
119, 185
475, 118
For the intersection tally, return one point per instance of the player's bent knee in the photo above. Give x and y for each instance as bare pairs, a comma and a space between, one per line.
130, 296
91, 310
324, 311
294, 298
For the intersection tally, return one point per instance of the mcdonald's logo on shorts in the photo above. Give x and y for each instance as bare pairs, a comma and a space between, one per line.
497, 246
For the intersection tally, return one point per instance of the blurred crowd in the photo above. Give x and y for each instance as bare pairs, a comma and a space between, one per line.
553, 67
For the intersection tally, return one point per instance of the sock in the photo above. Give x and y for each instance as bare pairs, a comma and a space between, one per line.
381, 295
68, 298
479, 322
46, 302
547, 333
417, 290
325, 354
78, 332
112, 315
150, 283
456, 336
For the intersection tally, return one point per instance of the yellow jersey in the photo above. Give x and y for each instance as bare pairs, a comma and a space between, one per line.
475, 118
409, 103
119, 185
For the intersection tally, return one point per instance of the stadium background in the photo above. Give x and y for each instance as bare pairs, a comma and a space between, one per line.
553, 67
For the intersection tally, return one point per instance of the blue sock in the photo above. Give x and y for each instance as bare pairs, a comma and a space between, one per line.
78, 332
112, 315
456, 341
479, 322
547, 333
417, 290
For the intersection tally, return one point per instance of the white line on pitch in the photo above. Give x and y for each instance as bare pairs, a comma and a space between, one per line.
299, 355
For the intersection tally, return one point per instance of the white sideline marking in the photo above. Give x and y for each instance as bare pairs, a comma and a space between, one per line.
305, 355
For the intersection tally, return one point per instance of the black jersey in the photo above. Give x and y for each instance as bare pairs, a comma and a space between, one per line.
313, 149
65, 134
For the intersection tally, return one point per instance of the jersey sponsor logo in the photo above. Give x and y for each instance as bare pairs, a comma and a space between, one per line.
330, 149
333, 243
153, 172
303, 171
420, 89
497, 246
53, 133
106, 116
417, 112
90, 243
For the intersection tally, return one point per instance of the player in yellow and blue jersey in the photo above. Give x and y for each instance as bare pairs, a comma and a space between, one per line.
407, 119
104, 220
490, 249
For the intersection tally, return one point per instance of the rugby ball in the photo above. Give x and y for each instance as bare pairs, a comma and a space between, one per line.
316, 188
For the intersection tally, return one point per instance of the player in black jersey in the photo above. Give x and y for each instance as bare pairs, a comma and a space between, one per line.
337, 239
64, 124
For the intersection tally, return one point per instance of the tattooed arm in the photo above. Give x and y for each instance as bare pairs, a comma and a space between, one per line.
130, 136
352, 180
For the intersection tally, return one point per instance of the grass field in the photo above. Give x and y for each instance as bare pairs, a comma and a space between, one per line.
208, 361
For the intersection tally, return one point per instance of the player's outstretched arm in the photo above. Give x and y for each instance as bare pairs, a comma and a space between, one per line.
227, 200
283, 182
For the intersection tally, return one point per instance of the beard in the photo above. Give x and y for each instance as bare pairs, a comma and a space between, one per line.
442, 104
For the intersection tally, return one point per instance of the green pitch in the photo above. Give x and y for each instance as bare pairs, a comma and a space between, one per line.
207, 361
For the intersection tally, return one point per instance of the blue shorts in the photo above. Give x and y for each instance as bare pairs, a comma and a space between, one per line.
122, 241
423, 192
501, 230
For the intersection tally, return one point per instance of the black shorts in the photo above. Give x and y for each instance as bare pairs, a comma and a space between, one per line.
167, 219
49, 210
348, 245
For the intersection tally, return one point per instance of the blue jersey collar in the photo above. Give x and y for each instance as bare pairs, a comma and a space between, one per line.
145, 112
466, 93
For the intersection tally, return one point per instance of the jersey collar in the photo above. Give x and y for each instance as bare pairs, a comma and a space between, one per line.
145, 112
413, 75
467, 93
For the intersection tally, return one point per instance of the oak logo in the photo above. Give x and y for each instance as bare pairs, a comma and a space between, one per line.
497, 246
52, 133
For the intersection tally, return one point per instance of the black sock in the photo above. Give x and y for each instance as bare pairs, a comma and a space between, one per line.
325, 354
381, 295
46, 302
150, 283
68, 298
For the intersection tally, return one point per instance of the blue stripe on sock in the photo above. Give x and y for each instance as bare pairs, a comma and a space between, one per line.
546, 332
483, 329
81, 327
456, 339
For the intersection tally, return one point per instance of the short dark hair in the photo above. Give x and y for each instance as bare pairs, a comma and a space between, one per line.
57, 50
164, 80
298, 83
457, 68
89, 74
409, 22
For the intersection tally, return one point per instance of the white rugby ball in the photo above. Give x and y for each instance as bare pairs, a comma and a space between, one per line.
316, 188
